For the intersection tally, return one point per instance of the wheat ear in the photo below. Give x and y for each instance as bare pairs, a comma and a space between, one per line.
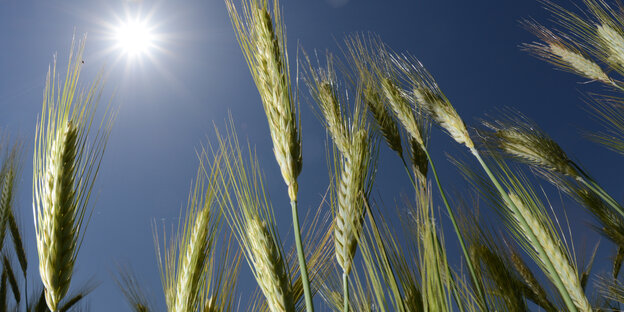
524, 140
250, 215
351, 187
262, 39
263, 42
563, 53
551, 250
613, 44
183, 273
65, 168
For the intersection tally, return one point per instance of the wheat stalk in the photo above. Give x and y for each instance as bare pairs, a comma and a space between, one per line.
65, 169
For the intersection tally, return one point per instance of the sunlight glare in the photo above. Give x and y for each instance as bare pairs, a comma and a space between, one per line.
134, 37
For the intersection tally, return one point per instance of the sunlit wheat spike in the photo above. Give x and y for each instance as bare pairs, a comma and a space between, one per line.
432, 260
361, 51
613, 42
552, 250
269, 266
67, 157
523, 140
563, 53
250, 216
383, 118
402, 109
186, 260
321, 83
351, 190
262, 39
441, 110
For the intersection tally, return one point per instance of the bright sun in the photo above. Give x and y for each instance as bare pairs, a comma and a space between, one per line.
134, 37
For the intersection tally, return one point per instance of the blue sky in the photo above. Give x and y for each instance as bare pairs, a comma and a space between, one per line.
168, 104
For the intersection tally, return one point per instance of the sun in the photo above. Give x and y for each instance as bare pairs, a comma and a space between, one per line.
134, 37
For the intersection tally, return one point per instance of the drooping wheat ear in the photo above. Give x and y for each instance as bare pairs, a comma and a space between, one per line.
563, 53
184, 273
8, 267
262, 39
441, 110
250, 215
269, 266
7, 185
383, 118
402, 109
132, 290
432, 260
359, 51
535, 291
420, 163
552, 250
330, 107
65, 169
322, 84
351, 192
613, 43
523, 140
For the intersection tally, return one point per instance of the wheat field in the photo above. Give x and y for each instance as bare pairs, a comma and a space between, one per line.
477, 215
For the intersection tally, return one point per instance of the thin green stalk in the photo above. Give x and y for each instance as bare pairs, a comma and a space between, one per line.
456, 292
596, 188
459, 237
603, 194
409, 174
345, 290
549, 266
301, 256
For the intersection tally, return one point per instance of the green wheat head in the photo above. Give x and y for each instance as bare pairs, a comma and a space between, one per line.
67, 157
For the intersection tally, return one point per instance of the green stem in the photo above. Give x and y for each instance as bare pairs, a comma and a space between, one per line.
455, 290
592, 185
345, 290
409, 174
531, 236
301, 256
457, 231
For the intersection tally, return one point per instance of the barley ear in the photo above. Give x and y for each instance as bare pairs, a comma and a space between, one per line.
67, 157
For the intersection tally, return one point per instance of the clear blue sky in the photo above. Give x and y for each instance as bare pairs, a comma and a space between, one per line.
168, 105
